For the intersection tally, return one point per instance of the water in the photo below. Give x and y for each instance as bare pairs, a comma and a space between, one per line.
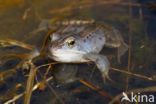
20, 17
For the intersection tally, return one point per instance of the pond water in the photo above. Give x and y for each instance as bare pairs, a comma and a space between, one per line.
135, 19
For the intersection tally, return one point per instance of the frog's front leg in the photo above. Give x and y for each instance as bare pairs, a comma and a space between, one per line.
101, 62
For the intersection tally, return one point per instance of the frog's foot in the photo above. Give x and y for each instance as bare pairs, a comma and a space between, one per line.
101, 62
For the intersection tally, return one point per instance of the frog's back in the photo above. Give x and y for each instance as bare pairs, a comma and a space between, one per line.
93, 35
90, 28
89, 34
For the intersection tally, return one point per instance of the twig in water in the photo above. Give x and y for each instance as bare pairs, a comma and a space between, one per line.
135, 75
52, 90
22, 94
30, 83
105, 94
130, 45
11, 42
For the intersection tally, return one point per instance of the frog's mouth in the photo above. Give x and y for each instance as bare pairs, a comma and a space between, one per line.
68, 56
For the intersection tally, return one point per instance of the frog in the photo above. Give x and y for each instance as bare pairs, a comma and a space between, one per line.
81, 41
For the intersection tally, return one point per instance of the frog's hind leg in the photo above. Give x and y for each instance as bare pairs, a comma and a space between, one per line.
115, 40
101, 62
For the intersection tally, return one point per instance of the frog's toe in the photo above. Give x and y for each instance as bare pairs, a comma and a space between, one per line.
106, 77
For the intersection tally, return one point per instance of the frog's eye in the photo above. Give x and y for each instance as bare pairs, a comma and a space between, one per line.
70, 42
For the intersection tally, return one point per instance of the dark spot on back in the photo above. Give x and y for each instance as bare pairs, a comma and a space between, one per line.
84, 40
100, 38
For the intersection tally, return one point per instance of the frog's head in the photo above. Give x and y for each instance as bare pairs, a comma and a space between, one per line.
67, 49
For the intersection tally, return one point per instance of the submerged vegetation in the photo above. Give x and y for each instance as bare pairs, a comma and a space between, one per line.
25, 78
